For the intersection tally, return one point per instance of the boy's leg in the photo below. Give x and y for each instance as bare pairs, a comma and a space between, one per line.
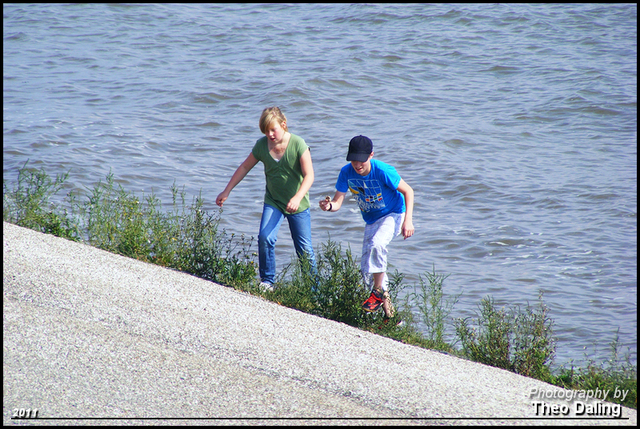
377, 236
267, 237
380, 284
300, 227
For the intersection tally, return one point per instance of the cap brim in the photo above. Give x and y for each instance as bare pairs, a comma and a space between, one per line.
360, 157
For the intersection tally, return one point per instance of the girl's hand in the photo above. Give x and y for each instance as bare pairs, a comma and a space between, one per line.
293, 205
222, 198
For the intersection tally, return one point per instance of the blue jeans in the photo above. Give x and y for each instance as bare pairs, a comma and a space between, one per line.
300, 227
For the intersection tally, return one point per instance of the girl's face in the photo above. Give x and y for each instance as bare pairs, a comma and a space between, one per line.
275, 132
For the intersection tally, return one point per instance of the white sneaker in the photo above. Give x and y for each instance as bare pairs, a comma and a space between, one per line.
266, 286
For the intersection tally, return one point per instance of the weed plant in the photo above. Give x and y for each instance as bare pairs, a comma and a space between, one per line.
512, 339
189, 239
336, 293
26, 204
434, 307
617, 372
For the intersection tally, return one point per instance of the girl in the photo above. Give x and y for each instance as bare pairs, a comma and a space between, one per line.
289, 174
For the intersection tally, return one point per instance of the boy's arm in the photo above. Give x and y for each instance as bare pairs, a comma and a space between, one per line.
407, 226
333, 205
237, 177
307, 180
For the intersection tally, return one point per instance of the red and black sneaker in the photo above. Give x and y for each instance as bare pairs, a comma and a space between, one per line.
388, 321
374, 302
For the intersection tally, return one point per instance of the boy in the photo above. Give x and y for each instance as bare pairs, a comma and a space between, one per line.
386, 204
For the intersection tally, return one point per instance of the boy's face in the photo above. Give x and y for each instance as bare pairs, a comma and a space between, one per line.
362, 168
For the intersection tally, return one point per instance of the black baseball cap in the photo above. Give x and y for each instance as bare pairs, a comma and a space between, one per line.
360, 147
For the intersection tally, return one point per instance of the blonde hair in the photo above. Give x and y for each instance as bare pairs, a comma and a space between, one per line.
270, 115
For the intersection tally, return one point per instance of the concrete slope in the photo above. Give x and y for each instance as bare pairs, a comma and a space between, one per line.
90, 337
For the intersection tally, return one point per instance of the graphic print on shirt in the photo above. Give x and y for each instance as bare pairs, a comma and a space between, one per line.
368, 194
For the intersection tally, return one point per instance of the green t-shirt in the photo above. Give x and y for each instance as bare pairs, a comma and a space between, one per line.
283, 177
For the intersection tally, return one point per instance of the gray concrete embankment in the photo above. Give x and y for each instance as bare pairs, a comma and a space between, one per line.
89, 334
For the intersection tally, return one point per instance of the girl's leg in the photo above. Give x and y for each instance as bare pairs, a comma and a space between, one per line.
267, 237
300, 227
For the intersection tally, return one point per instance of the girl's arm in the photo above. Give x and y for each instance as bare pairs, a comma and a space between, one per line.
407, 226
307, 173
237, 177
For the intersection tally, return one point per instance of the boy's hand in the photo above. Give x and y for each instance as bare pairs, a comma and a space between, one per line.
326, 203
407, 229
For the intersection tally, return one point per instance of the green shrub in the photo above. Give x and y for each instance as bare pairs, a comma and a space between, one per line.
435, 309
519, 341
339, 290
342, 290
617, 373
189, 239
25, 205
116, 221
205, 251
112, 219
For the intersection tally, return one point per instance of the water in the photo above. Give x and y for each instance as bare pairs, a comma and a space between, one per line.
516, 125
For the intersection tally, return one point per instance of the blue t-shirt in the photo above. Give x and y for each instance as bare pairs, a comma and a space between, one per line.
376, 193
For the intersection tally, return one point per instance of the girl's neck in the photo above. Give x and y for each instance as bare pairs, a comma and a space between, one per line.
283, 141
277, 149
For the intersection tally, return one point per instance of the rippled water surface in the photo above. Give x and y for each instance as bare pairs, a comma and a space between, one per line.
516, 125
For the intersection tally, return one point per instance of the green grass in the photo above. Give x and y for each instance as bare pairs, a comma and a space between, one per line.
189, 239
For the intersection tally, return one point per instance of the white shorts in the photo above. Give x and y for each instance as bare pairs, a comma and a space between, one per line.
377, 237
